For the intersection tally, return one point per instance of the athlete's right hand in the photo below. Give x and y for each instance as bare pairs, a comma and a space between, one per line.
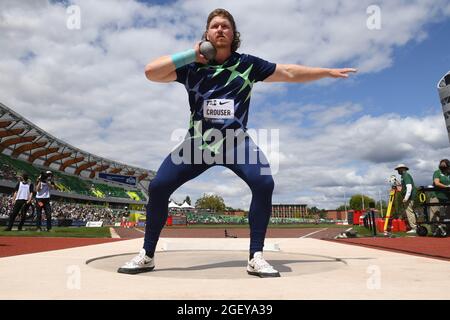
198, 56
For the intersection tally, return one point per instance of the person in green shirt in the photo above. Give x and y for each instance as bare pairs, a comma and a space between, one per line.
408, 193
441, 181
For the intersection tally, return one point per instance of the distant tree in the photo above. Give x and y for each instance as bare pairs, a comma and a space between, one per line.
356, 202
313, 210
383, 206
342, 208
323, 214
188, 200
212, 202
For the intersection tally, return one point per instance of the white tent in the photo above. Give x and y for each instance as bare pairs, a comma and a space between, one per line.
173, 205
185, 205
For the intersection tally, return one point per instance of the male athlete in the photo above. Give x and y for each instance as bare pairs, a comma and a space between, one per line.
219, 98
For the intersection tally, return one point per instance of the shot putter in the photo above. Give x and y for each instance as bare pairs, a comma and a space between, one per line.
208, 50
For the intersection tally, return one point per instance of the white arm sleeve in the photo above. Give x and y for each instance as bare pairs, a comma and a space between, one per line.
408, 191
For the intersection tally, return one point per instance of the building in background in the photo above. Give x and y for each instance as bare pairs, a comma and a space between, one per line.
336, 215
236, 213
289, 211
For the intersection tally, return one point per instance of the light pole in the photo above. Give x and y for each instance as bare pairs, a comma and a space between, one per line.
381, 203
362, 197
345, 206
345, 202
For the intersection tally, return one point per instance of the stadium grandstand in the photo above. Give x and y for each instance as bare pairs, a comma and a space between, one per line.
208, 218
80, 177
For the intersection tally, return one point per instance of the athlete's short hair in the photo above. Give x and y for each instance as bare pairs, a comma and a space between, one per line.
224, 13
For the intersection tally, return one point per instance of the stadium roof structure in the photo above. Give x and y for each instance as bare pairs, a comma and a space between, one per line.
20, 138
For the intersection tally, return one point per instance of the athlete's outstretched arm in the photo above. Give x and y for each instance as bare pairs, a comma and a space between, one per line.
299, 73
164, 68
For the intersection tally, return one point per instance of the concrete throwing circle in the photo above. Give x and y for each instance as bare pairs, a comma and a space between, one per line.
221, 264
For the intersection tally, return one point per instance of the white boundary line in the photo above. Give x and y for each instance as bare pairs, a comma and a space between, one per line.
113, 233
310, 234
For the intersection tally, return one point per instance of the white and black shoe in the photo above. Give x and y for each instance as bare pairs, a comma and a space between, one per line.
260, 267
140, 263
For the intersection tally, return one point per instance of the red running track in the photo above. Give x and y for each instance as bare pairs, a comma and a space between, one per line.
12, 246
438, 248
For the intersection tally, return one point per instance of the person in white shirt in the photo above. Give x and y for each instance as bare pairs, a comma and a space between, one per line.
23, 193
44, 185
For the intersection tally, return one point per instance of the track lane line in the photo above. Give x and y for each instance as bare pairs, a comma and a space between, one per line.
310, 234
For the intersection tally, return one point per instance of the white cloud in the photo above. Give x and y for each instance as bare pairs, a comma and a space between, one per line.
325, 115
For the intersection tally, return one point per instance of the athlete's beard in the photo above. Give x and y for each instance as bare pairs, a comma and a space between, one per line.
222, 45
219, 43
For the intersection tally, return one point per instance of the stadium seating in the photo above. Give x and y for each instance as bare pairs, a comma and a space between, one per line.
74, 184
133, 195
110, 191
97, 193
140, 195
19, 166
10, 168
209, 218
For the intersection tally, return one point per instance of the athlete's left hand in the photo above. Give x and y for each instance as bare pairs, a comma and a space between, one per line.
341, 73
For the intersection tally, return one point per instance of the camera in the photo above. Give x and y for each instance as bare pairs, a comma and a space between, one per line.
44, 176
394, 182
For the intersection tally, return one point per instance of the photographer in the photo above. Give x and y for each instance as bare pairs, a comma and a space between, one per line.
44, 185
22, 196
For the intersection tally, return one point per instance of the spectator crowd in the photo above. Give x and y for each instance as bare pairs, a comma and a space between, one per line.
66, 210
7, 172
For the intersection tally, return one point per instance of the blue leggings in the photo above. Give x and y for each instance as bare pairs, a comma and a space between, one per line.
171, 176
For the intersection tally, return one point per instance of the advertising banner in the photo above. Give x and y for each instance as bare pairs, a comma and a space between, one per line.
130, 180
94, 224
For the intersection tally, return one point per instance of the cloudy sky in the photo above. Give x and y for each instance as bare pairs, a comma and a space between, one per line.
87, 86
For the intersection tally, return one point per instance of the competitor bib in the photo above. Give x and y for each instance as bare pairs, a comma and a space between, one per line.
218, 109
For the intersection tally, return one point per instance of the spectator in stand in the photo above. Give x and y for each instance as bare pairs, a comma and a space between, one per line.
6, 205
7, 172
70, 210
